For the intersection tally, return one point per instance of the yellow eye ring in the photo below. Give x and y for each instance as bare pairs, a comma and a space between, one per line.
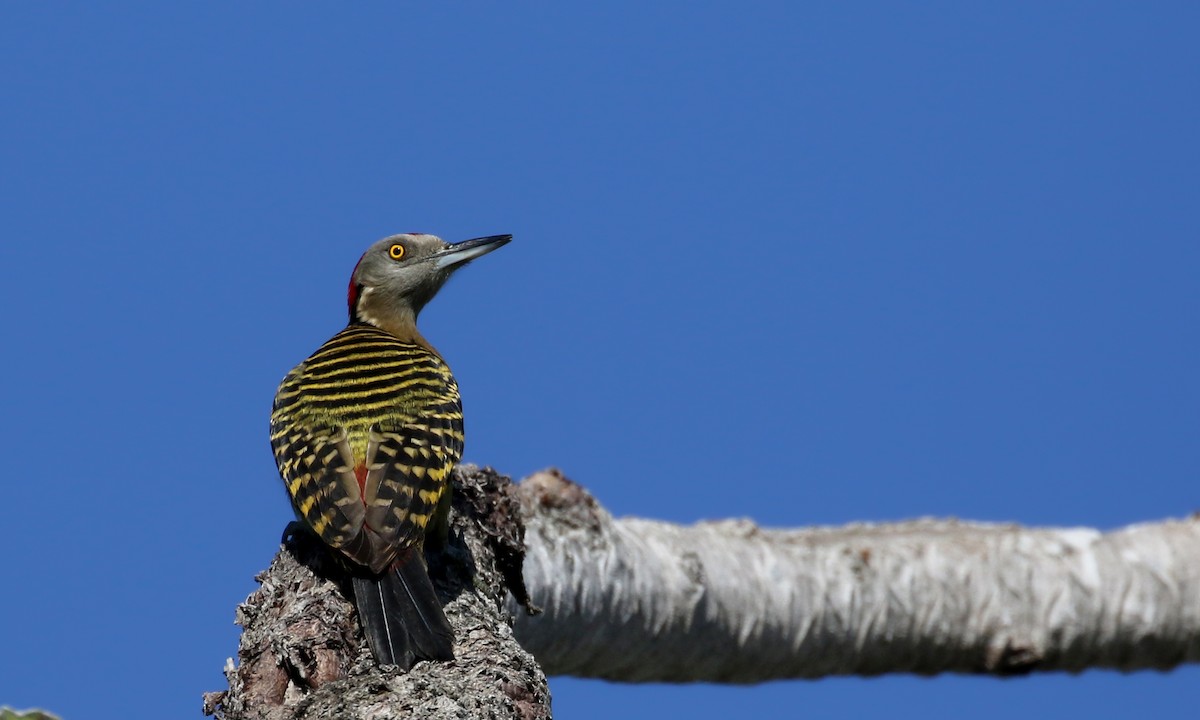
396, 251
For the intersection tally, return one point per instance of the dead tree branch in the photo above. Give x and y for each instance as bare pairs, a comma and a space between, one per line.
639, 601
302, 655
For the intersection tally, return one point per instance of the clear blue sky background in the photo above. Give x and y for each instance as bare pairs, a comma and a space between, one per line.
805, 264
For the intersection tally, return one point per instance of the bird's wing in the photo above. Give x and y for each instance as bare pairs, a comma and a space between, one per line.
318, 468
408, 471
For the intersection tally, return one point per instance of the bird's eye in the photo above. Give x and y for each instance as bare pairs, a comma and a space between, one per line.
396, 251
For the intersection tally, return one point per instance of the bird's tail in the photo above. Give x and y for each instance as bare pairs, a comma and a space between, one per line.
401, 615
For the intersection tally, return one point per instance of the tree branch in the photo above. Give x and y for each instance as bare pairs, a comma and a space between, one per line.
638, 600
302, 654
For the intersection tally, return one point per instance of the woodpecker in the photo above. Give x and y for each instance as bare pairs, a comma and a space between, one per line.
365, 433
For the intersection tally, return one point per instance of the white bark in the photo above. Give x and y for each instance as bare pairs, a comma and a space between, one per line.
638, 600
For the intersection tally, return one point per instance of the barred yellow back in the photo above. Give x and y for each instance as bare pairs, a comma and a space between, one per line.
365, 434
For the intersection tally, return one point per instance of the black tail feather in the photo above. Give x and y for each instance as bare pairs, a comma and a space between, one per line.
402, 617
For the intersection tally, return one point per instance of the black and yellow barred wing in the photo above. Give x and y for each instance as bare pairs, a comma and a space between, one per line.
365, 434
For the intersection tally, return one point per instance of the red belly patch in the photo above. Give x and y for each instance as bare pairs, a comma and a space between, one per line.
360, 472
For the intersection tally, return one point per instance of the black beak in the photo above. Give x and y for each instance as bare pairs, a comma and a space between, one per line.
467, 250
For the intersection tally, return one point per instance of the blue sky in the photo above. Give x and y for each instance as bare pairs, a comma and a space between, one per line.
807, 264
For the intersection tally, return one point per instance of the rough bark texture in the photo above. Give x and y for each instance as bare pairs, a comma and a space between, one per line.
637, 600
302, 655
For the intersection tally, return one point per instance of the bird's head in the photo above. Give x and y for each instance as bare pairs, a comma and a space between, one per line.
398, 275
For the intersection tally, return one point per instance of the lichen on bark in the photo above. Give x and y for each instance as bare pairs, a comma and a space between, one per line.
302, 654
